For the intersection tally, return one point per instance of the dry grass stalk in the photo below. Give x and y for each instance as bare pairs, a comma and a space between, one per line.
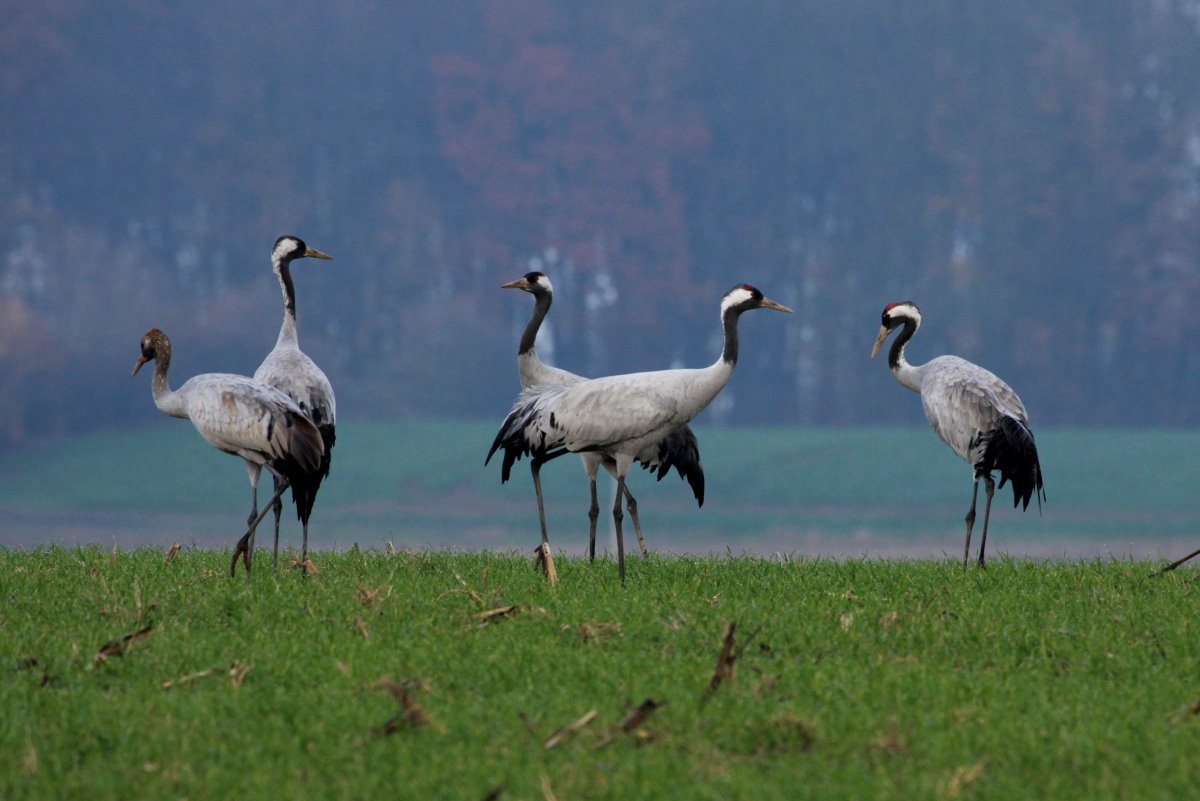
569, 730
238, 673
724, 671
499, 613
962, 778
119, 646
189, 678
412, 714
638, 716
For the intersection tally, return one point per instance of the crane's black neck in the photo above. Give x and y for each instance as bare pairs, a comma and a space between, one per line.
287, 330
729, 321
541, 306
896, 354
284, 271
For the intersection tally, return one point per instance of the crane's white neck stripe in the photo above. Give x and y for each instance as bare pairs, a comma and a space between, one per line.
905, 311
735, 297
283, 249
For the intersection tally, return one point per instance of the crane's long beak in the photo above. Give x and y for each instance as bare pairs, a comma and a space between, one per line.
141, 360
520, 283
767, 303
883, 334
313, 253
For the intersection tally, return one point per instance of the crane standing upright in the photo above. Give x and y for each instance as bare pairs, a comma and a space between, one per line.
974, 412
622, 414
239, 416
678, 449
290, 370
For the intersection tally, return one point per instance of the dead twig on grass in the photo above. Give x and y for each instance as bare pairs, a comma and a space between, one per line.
730, 652
569, 730
119, 646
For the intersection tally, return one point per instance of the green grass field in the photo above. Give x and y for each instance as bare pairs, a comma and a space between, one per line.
423, 484
385, 677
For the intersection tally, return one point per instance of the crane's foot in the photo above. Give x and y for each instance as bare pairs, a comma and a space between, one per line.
543, 561
242, 549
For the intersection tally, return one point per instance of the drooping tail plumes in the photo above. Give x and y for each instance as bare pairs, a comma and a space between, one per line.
513, 436
306, 464
1009, 449
680, 450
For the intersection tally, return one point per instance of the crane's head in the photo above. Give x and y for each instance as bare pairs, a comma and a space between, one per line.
894, 316
744, 297
534, 282
288, 248
154, 344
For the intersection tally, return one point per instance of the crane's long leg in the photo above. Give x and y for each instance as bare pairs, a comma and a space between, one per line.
304, 551
617, 515
241, 549
990, 485
970, 522
278, 507
249, 555
546, 557
535, 467
593, 514
631, 505
254, 470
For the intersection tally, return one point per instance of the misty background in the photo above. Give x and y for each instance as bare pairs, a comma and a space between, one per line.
1027, 172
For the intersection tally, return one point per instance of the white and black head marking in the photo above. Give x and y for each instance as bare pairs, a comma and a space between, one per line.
537, 281
896, 314
742, 297
905, 313
288, 248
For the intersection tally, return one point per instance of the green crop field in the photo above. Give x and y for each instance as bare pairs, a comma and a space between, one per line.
891, 492
455, 675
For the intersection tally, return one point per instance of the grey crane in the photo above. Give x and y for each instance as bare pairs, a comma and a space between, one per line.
974, 412
239, 416
290, 370
678, 449
620, 415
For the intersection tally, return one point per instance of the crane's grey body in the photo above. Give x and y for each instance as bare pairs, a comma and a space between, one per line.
961, 400
974, 412
237, 415
679, 449
621, 415
289, 369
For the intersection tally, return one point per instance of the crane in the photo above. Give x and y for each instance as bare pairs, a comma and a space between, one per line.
289, 369
239, 416
974, 412
678, 449
620, 415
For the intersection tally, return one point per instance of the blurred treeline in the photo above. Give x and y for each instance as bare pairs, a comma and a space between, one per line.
1027, 171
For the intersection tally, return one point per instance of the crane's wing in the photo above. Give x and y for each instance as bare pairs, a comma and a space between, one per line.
963, 400
590, 415
983, 420
240, 415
